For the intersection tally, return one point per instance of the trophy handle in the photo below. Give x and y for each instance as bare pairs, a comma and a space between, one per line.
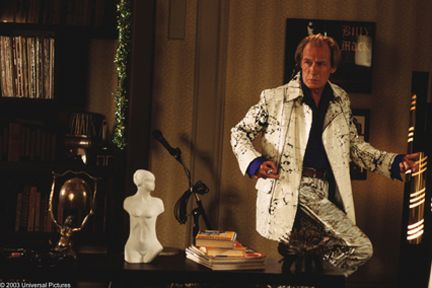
50, 201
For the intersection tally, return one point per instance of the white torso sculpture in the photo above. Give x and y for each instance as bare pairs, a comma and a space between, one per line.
142, 245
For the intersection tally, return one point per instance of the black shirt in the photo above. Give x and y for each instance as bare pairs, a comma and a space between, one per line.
315, 155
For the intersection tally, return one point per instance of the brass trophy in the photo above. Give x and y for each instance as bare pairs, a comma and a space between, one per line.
70, 207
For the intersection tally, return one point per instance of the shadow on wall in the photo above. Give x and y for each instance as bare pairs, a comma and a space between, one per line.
232, 201
211, 201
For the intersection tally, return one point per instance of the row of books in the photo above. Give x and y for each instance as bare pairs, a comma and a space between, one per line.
220, 250
27, 67
27, 142
31, 214
72, 12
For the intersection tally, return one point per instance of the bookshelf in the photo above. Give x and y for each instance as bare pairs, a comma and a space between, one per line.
85, 13
44, 56
27, 66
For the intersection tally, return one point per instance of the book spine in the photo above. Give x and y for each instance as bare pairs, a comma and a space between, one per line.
3, 67
31, 66
37, 211
19, 205
11, 66
37, 66
51, 91
24, 67
31, 209
25, 209
43, 212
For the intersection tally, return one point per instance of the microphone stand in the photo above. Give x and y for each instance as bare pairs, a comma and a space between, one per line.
198, 211
197, 188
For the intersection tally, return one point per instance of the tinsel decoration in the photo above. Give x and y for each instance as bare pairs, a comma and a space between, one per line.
121, 60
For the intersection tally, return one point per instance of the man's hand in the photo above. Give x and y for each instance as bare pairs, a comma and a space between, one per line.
409, 163
267, 169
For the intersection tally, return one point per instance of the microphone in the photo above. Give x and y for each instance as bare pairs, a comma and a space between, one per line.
175, 152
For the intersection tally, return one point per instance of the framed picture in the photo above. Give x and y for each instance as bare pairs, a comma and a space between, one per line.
356, 40
361, 121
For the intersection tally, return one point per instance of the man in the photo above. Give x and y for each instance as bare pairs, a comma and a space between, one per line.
308, 141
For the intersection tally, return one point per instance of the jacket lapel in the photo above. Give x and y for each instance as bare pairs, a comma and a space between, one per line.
333, 111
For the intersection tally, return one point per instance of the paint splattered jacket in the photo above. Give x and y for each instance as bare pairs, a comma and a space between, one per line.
284, 121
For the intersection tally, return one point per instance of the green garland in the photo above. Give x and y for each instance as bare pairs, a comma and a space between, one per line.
121, 61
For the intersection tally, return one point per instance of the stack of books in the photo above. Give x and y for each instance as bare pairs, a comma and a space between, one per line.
220, 250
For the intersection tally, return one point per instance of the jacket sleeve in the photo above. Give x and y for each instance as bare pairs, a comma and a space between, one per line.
246, 131
366, 156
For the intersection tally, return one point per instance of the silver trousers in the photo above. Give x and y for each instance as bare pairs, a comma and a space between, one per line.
347, 246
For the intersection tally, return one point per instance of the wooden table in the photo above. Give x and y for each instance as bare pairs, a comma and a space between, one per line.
163, 270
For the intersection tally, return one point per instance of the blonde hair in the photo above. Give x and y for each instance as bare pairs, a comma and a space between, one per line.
318, 40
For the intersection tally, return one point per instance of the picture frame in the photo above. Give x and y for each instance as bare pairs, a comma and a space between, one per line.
361, 121
356, 41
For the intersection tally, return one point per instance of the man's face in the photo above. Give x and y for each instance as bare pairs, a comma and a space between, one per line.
316, 66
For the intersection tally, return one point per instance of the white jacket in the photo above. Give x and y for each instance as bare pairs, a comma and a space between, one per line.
284, 120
